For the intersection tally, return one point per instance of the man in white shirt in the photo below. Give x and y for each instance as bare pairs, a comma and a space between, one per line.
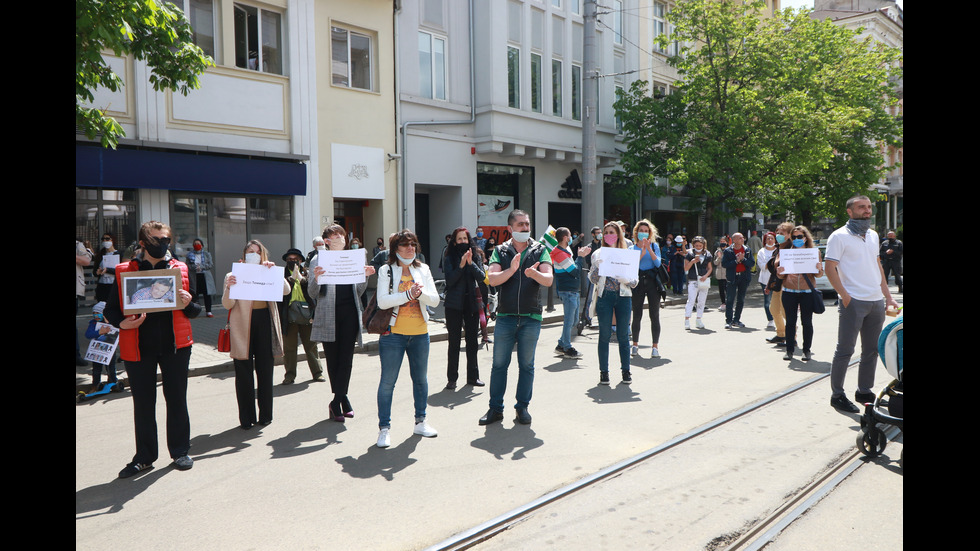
854, 269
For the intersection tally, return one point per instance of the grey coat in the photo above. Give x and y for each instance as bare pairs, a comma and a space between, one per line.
325, 313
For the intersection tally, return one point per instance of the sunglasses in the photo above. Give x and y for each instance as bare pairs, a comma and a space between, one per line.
799, 237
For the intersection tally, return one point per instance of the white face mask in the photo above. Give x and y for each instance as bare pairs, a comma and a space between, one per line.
521, 236
107, 244
321, 248
253, 258
405, 260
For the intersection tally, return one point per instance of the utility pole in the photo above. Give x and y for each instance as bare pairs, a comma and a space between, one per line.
591, 191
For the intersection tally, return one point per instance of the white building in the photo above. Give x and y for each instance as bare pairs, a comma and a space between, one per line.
490, 110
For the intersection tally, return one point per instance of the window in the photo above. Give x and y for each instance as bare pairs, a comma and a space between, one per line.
556, 87
659, 24
513, 77
351, 59
619, 120
617, 15
432, 66
536, 91
258, 39
201, 16
576, 92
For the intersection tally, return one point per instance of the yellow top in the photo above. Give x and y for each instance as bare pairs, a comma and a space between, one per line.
410, 320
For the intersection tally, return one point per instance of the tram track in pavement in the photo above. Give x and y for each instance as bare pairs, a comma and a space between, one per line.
754, 536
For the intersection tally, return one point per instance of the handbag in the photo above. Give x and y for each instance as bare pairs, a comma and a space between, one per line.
818, 305
299, 311
374, 319
703, 285
224, 336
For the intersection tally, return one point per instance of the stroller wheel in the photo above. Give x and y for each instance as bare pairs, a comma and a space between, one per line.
872, 442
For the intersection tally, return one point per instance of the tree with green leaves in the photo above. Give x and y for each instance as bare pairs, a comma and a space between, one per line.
150, 31
775, 114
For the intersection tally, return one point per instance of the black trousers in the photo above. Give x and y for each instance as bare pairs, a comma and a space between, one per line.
646, 290
143, 387
802, 303
260, 364
456, 321
339, 354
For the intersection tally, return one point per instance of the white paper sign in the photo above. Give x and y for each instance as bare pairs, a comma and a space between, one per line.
342, 267
110, 261
621, 263
102, 348
799, 261
256, 282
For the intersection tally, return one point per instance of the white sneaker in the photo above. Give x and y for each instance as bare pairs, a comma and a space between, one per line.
424, 429
700, 324
687, 324
384, 440
772, 325
655, 353
635, 350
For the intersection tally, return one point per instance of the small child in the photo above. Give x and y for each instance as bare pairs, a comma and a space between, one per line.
93, 333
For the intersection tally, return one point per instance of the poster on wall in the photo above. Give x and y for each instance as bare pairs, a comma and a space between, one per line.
491, 215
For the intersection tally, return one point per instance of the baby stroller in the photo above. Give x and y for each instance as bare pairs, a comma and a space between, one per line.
887, 407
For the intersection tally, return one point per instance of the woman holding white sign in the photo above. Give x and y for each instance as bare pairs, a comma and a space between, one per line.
256, 338
337, 322
408, 335
612, 295
797, 293
697, 263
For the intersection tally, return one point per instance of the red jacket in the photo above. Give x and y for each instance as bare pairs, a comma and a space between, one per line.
129, 339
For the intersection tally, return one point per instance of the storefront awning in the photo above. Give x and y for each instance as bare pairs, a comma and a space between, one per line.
186, 171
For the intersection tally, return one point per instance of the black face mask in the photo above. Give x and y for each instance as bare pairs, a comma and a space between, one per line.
461, 248
158, 249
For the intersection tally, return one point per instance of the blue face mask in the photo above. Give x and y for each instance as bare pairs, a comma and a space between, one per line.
641, 235
799, 242
780, 238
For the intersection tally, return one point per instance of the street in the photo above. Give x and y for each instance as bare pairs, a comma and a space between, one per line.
305, 482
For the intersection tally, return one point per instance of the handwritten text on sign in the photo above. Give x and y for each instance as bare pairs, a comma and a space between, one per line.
621, 263
799, 261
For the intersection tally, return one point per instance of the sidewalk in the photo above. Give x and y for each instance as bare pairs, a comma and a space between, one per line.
206, 359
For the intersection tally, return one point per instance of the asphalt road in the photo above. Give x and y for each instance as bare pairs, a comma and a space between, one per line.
305, 482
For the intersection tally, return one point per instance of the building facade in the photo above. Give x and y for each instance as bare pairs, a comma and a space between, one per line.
490, 111
289, 131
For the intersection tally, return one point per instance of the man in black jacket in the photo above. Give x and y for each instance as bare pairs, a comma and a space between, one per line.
518, 269
891, 258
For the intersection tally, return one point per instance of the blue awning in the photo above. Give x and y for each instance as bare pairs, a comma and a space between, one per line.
96, 166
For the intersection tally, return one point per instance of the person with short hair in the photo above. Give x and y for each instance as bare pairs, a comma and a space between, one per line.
854, 269
738, 261
568, 270
295, 327
518, 268
337, 323
890, 253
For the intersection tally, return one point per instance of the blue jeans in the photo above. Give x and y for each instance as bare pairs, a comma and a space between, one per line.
766, 301
569, 300
737, 285
607, 303
392, 348
509, 331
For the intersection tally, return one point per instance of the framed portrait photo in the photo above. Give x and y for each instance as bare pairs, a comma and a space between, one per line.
149, 290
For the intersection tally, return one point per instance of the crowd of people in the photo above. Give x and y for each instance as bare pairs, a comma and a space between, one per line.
477, 273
